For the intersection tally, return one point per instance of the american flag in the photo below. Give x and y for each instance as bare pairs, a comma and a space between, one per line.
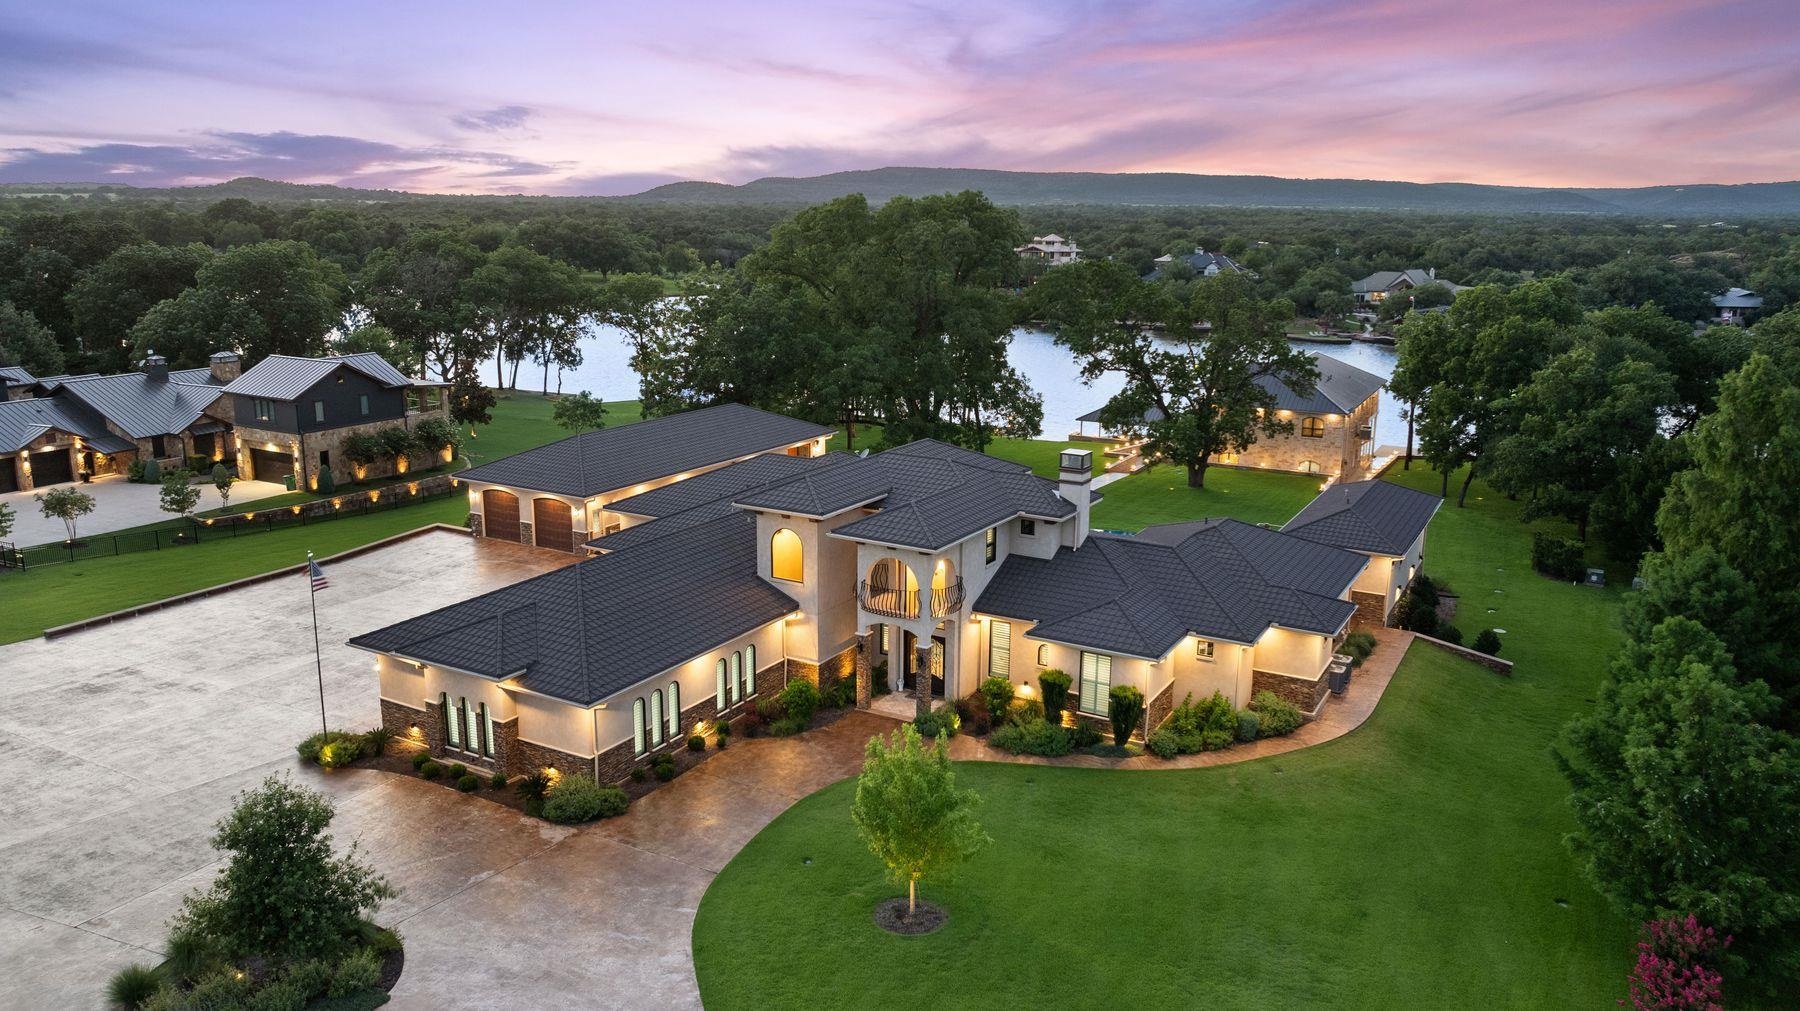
319, 582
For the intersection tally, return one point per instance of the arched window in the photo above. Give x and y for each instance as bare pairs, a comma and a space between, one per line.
1043, 656
784, 555
637, 727
1310, 467
737, 677
750, 670
719, 702
452, 721
1312, 428
656, 716
487, 731
674, 709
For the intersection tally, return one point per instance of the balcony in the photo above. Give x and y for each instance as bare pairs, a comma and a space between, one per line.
891, 602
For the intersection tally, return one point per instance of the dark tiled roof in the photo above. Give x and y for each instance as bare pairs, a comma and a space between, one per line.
592, 629
707, 497
614, 458
1341, 388
146, 407
930, 494
1217, 579
285, 377
1375, 516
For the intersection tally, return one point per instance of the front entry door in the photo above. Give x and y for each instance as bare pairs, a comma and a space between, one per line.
936, 661
934, 664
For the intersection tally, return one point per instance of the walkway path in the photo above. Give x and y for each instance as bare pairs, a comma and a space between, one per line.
118, 504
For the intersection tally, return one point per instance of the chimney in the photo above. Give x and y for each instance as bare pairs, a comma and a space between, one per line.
225, 366
1075, 484
156, 367
1431, 272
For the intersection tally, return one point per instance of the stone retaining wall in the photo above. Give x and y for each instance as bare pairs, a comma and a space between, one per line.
1492, 663
1304, 693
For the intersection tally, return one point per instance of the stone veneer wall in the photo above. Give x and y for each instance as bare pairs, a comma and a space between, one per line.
842, 665
1158, 709
1368, 609
1338, 452
1300, 691
531, 756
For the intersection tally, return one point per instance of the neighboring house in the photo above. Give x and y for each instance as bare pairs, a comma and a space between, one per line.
1053, 250
557, 495
293, 415
1735, 305
1375, 518
95, 424
15, 383
1376, 288
1205, 264
1334, 426
939, 564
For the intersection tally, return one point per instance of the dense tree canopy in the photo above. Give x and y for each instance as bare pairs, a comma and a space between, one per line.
262, 299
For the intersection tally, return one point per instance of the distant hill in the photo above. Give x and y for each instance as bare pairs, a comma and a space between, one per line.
1150, 189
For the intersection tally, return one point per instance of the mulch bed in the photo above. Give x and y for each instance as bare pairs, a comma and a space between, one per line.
397, 759
927, 918
391, 968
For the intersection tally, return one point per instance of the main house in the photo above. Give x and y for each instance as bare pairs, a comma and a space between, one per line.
1334, 425
283, 418
939, 565
1377, 287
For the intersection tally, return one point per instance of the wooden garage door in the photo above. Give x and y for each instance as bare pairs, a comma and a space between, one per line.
51, 466
500, 515
551, 524
271, 466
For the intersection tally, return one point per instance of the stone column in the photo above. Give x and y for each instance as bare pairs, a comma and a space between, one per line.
922, 677
865, 679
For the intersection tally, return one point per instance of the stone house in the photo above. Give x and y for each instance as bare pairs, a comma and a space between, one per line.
293, 416
940, 564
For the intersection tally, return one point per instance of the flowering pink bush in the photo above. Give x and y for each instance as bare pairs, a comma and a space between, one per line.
1674, 967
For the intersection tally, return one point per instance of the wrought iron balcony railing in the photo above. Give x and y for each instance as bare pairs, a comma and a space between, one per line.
892, 602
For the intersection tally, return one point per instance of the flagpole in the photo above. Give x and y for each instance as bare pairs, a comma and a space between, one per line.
312, 597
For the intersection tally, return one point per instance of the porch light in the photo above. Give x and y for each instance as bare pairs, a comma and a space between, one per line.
413, 731
551, 774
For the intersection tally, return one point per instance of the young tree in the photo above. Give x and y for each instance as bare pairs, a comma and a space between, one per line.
66, 504
7, 517
1676, 967
471, 403
179, 494
579, 412
222, 479
1190, 398
283, 892
909, 811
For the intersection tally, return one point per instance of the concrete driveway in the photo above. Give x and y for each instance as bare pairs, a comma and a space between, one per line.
131, 741
118, 504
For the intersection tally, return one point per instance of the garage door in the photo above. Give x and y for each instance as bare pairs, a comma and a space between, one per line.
551, 524
500, 515
51, 466
9, 474
269, 465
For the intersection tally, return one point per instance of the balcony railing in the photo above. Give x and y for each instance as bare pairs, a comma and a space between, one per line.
892, 602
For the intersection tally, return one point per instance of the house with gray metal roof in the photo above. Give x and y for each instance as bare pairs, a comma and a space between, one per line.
1203, 263
1736, 305
1375, 289
299, 418
931, 564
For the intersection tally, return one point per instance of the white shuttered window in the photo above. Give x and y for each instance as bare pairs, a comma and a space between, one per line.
1096, 684
1000, 649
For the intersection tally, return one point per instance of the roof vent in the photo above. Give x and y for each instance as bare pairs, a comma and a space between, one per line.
156, 367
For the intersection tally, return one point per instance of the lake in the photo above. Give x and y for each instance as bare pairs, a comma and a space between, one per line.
606, 373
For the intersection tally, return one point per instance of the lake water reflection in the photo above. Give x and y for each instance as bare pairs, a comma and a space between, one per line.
606, 372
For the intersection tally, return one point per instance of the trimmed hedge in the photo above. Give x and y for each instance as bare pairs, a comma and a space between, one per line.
577, 799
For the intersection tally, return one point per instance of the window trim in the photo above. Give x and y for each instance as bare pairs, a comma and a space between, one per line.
263, 408
1028, 527
639, 740
318, 412
749, 669
1312, 427
362, 403
1204, 650
797, 564
1000, 649
736, 681
1043, 654
719, 702
675, 709
658, 719
452, 723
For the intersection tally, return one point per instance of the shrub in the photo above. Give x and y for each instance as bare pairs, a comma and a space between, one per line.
638, 774
576, 799
1249, 726
940, 722
973, 711
419, 759
190, 955
664, 767
787, 727
801, 700
134, 472
1358, 645
1164, 744
1207, 725
879, 675
1488, 642
282, 995
310, 978
375, 742
468, 782
133, 985
152, 473
533, 786
327, 483
1450, 634
696, 743
431, 770
997, 692
458, 770
1030, 709
497, 781
1032, 737
771, 709
1557, 557
1277, 716
1084, 735
839, 693
313, 747
1054, 685
1420, 619
340, 753
224, 988
1424, 591
1676, 966
1127, 709
359, 971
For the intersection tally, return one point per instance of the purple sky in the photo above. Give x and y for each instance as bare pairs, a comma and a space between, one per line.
601, 98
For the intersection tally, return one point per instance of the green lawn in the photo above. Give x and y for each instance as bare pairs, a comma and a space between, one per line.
522, 421
1417, 862
1161, 495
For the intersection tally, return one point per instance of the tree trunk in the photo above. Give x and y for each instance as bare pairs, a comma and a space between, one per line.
1197, 474
1407, 465
1581, 528
1462, 497
912, 897
1444, 486
499, 368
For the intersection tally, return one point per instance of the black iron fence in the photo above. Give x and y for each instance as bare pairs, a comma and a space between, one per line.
246, 524
10, 556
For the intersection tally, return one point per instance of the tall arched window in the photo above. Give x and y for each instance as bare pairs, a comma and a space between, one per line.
674, 709
487, 731
737, 677
719, 702
750, 670
656, 716
452, 721
1312, 428
784, 556
1043, 656
637, 727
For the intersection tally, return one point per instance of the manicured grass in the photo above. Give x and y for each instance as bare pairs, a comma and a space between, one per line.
48, 595
522, 421
1417, 862
1161, 495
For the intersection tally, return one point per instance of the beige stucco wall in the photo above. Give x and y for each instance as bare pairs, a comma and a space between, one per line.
698, 679
1150, 678
413, 686
826, 592
1287, 651
1387, 575
1228, 672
